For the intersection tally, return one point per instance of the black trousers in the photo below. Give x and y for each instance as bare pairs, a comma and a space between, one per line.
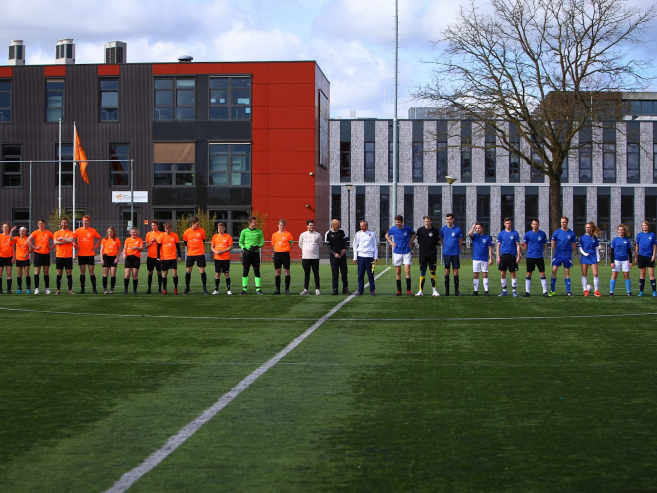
339, 266
307, 264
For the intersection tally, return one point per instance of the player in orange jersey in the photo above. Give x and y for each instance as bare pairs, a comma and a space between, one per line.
221, 245
23, 251
41, 241
151, 261
87, 241
110, 251
7, 254
194, 239
64, 241
282, 241
168, 253
132, 249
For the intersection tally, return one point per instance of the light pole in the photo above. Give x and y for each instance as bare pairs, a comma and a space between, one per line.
348, 187
451, 180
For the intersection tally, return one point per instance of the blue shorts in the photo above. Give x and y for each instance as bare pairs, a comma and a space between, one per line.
454, 260
566, 261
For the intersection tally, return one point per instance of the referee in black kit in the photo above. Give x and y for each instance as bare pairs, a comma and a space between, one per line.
336, 242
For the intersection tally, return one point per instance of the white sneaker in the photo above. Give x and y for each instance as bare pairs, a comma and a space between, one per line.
435, 293
317, 292
228, 293
47, 290
419, 293
305, 291
36, 291
215, 292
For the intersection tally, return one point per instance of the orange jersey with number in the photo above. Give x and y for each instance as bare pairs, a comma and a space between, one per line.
168, 244
110, 246
281, 241
195, 239
222, 242
152, 249
22, 249
42, 240
86, 238
6, 245
64, 250
131, 243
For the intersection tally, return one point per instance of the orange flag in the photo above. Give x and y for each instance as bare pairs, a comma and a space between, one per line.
81, 156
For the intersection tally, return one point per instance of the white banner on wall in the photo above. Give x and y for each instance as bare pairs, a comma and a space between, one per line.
123, 197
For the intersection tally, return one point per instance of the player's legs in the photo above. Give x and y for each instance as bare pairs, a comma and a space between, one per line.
407, 272
314, 264
305, 263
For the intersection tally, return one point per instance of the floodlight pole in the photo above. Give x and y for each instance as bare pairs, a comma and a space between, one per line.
395, 125
451, 180
348, 187
132, 193
60, 169
30, 218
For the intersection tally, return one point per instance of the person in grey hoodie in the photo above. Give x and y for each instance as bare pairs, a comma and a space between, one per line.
309, 242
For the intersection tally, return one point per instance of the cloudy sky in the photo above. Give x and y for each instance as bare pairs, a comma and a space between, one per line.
352, 40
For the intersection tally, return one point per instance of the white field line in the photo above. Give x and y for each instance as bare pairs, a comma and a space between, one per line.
129, 478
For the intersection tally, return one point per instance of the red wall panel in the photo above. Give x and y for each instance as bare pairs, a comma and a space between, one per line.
292, 117
109, 70
292, 139
6, 71
292, 72
54, 71
292, 94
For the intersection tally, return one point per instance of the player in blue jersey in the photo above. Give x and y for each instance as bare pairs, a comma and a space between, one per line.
508, 255
621, 259
452, 238
534, 243
589, 248
646, 249
399, 237
482, 256
563, 244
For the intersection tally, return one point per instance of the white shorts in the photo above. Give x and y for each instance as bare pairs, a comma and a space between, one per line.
479, 266
623, 265
401, 258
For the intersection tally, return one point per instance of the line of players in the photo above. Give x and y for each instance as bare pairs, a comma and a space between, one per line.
164, 254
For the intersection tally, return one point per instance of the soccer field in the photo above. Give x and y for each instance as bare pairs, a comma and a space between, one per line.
385, 394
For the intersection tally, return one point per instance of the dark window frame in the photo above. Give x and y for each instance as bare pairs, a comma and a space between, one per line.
633, 154
5, 111
230, 110
441, 162
104, 111
586, 163
9, 174
609, 162
175, 92
418, 162
119, 159
369, 169
514, 161
345, 162
67, 165
51, 94
175, 170
231, 151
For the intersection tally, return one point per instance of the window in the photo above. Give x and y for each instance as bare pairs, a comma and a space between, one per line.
627, 211
604, 209
163, 99
67, 165
507, 205
384, 211
391, 162
11, 171
173, 174
119, 168
360, 206
483, 210
345, 161
369, 162
5, 101
230, 165
230, 98
435, 202
579, 211
643, 108
654, 163
336, 204
466, 163
409, 204
441, 162
585, 170
20, 218
418, 162
109, 100
609, 163
172, 216
185, 109
536, 175
236, 220
184, 101
514, 161
651, 210
54, 100
459, 205
531, 207
633, 163
564, 170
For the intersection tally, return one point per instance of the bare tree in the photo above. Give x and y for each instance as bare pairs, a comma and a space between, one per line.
539, 71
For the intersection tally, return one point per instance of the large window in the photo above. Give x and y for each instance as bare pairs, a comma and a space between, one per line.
627, 211
11, 171
384, 211
345, 161
435, 203
236, 220
564, 170
369, 162
579, 211
536, 175
67, 165
391, 162
459, 205
483, 208
441, 162
5, 101
360, 207
119, 168
514, 161
230, 98
604, 209
585, 169
171, 215
173, 174
409, 204
418, 162
609, 163
182, 107
54, 100
336, 203
531, 206
466, 163
109, 100
507, 205
633, 163
230, 164
654, 163
651, 209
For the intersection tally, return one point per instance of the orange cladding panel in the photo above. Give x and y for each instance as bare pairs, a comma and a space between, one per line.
260, 137
260, 94
6, 71
292, 94
292, 139
292, 72
187, 68
259, 71
292, 117
109, 70
292, 162
54, 71
260, 117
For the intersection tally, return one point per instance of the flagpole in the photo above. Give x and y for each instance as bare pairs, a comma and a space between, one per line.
74, 163
60, 167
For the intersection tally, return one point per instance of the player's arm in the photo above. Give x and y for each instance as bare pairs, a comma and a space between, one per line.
497, 250
102, 249
242, 240
654, 252
389, 240
328, 245
518, 250
159, 247
413, 238
355, 247
612, 255
574, 245
629, 255
471, 232
490, 254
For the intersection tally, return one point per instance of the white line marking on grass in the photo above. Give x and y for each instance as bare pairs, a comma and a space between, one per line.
560, 317
129, 478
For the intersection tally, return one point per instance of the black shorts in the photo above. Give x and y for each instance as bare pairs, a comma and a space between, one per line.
5, 261
169, 264
641, 261
132, 262
221, 265
453, 260
199, 259
41, 259
428, 261
64, 263
508, 262
282, 259
108, 261
153, 264
536, 263
86, 260
23, 263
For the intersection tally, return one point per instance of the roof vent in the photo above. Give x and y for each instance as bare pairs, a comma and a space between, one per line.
116, 52
65, 52
185, 58
16, 52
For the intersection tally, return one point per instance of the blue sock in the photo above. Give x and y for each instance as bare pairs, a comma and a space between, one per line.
553, 284
612, 285
567, 285
628, 285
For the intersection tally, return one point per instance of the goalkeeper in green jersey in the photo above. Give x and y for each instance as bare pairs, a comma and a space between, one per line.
251, 241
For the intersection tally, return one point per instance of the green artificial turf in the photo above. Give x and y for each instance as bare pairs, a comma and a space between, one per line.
389, 394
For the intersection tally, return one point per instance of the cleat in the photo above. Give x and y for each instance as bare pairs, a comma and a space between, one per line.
335, 292
47, 291
640, 293
597, 294
398, 293
70, 291
36, 291
408, 293
111, 291
148, 291
611, 295
486, 293
551, 293
229, 292
419, 293
81, 291
18, 291
95, 292
104, 291
259, 292
304, 292
159, 291
435, 293
243, 292
456, 293
287, 292
515, 295
629, 294
134, 291
125, 291
215, 292
372, 293
317, 293
164, 292
276, 292
57, 292
346, 291
570, 294
205, 292
654, 294
175, 290
545, 295
358, 293
503, 293
186, 292
9, 292
526, 295
586, 293
475, 293
28, 292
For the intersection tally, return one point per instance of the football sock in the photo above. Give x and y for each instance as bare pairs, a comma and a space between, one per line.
69, 281
9, 284
567, 285
596, 283
28, 281
476, 285
46, 280
36, 281
628, 285
164, 283
503, 284
447, 284
612, 285
408, 284
528, 284
188, 278
135, 283
422, 279
216, 284
59, 282
456, 284
257, 283
112, 282
278, 283
93, 282
245, 283
553, 283
514, 284
175, 282
287, 283
159, 281
228, 283
83, 281
105, 283
126, 283
584, 283
434, 281
398, 284
204, 280
19, 281
544, 284
642, 284
150, 281
485, 284
652, 283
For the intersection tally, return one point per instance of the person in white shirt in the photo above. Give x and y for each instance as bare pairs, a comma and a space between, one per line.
366, 253
309, 242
